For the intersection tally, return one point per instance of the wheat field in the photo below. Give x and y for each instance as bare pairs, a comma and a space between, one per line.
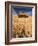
21, 27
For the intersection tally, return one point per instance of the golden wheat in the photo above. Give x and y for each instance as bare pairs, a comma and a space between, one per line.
20, 24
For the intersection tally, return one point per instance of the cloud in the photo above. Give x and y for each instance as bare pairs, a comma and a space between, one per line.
13, 12
29, 13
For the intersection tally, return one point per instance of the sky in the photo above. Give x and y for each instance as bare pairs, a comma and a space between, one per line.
16, 10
